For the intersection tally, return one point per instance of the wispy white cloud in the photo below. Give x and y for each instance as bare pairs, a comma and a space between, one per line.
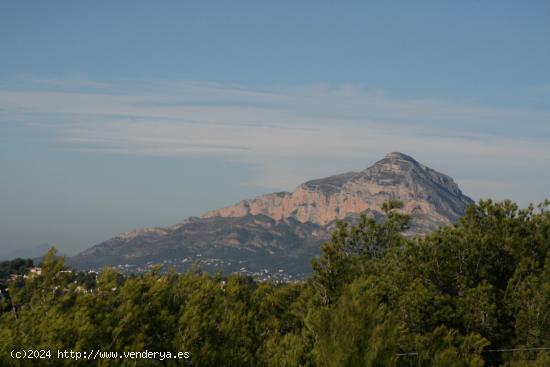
289, 134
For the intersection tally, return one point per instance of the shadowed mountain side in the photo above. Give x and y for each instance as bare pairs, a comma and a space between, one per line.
253, 242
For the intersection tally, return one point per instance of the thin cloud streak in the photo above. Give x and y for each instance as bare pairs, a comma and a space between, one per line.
289, 134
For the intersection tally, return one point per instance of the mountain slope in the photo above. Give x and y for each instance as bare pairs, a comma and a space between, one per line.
277, 234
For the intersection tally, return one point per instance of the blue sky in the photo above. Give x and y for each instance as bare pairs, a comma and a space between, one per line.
116, 115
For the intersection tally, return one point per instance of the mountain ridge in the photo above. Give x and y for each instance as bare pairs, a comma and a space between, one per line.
335, 197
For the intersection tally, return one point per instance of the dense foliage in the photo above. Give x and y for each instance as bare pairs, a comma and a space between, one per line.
473, 294
16, 266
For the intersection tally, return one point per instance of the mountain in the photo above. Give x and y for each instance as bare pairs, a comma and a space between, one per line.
277, 234
28, 253
432, 198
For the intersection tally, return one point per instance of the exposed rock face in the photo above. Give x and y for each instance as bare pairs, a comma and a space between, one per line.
283, 231
432, 198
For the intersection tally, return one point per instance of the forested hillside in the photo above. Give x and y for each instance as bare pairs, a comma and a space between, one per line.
473, 294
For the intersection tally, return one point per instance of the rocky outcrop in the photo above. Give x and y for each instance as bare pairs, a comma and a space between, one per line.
427, 194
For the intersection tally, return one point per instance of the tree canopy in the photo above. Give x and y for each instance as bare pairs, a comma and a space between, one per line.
472, 294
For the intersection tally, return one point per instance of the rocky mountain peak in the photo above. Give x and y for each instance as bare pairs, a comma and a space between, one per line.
426, 193
399, 155
395, 162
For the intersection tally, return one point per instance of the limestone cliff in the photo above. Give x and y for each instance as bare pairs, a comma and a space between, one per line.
432, 198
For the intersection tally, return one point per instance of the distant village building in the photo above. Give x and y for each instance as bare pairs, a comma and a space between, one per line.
15, 277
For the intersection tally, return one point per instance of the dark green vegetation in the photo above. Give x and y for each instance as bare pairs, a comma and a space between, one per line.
375, 299
16, 266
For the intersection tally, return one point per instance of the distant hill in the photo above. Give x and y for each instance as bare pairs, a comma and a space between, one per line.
276, 235
27, 253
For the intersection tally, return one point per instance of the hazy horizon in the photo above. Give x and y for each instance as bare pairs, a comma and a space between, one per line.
115, 116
